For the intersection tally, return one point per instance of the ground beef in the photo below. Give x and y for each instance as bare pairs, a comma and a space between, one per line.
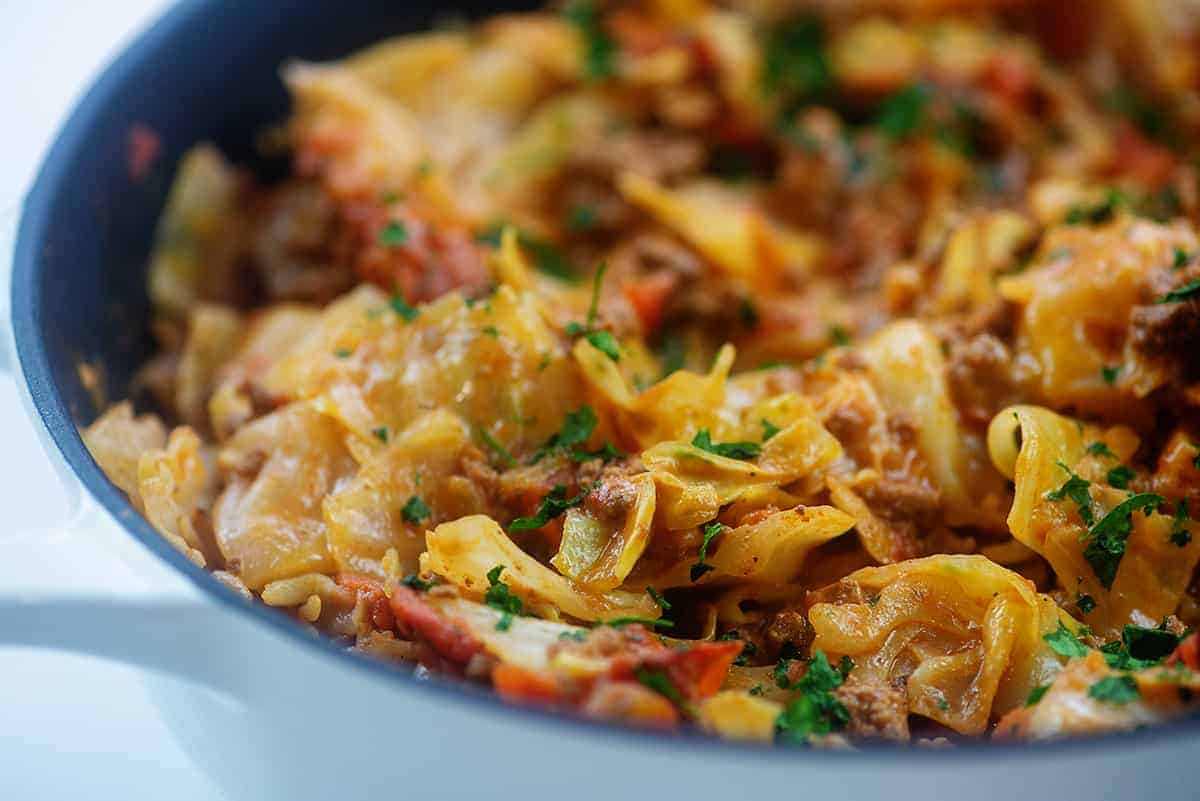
1167, 329
979, 369
297, 245
877, 709
904, 499
788, 629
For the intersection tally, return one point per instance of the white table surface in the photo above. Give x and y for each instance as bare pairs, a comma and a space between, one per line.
70, 727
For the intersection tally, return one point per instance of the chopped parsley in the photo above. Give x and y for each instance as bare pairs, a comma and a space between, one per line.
817, 710
1100, 449
415, 511
599, 49
1106, 539
500, 597
839, 335
1093, 214
1075, 489
413, 581
400, 306
576, 429
672, 353
551, 506
1064, 643
1115, 689
748, 313
749, 649
497, 449
902, 114
581, 217
618, 622
547, 258
700, 568
343, 353
657, 597
1179, 295
1085, 604
769, 429
730, 450
491, 331
578, 635
1120, 476
1180, 535
795, 65
1180, 259
393, 234
380, 434
1036, 694
659, 682
1140, 647
1110, 373
602, 341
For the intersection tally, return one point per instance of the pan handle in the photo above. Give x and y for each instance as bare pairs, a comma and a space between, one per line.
74, 581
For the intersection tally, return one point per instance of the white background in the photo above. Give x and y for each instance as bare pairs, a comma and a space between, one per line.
70, 727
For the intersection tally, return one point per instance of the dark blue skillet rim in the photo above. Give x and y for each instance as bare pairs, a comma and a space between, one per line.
52, 409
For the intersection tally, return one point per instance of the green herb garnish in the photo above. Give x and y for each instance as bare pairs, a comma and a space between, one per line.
749, 649
659, 682
657, 597
1036, 694
497, 449
1120, 476
551, 506
1064, 643
500, 597
1179, 295
1106, 539
413, 581
599, 49
1180, 535
1100, 449
903, 113
1076, 489
415, 511
400, 307
1115, 689
1109, 373
817, 710
769, 429
730, 450
603, 341
618, 622
700, 568
394, 234
380, 434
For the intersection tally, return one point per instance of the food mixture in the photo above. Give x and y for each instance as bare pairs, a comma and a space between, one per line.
812, 372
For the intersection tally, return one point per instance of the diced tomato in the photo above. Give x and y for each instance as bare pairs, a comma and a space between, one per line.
376, 597
419, 620
1141, 159
522, 685
697, 671
1186, 653
1009, 77
639, 34
648, 296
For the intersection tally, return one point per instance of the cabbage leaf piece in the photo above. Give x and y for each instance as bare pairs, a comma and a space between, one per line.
963, 633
